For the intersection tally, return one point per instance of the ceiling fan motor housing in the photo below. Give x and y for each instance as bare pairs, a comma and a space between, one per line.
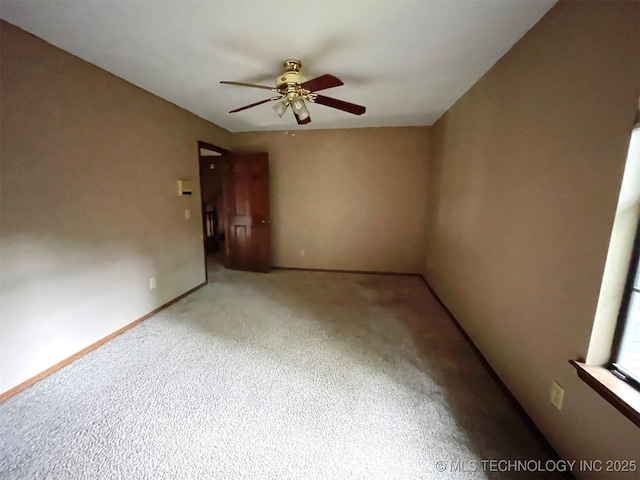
290, 80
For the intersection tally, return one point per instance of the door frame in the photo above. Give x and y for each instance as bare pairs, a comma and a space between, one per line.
224, 155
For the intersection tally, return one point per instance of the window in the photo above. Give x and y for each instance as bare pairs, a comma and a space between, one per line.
625, 358
612, 366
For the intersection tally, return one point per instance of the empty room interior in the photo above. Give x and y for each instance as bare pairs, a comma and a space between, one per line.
351, 239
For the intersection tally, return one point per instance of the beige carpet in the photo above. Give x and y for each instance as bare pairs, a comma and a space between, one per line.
290, 375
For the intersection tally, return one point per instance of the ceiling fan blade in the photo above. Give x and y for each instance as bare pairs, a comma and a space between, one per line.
251, 105
321, 83
302, 122
240, 84
339, 104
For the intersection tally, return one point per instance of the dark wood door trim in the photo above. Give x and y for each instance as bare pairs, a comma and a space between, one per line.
211, 147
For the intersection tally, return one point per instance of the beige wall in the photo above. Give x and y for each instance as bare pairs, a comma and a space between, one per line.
89, 203
525, 173
352, 199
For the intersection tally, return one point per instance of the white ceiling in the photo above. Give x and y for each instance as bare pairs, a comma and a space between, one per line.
406, 61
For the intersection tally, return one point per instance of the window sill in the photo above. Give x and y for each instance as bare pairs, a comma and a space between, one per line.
614, 390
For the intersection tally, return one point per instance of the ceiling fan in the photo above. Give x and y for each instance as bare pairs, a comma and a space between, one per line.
293, 89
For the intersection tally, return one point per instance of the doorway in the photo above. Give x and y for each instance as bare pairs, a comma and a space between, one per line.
211, 163
236, 223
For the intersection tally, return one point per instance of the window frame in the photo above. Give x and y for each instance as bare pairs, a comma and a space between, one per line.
602, 373
622, 320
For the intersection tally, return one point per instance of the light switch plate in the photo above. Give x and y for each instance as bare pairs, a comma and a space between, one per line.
557, 395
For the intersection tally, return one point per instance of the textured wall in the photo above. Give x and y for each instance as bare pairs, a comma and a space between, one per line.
352, 199
89, 204
525, 173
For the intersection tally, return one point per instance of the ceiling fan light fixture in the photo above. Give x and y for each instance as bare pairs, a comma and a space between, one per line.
281, 107
300, 108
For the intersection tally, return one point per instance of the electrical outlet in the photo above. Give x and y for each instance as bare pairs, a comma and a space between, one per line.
557, 395
152, 283
302, 252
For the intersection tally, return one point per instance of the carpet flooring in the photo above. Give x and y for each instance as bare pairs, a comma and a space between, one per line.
290, 375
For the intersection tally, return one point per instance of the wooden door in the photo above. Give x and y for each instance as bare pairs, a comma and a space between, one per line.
246, 190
